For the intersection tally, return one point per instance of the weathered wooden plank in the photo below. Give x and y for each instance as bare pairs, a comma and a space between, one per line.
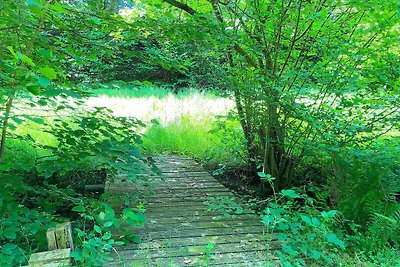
189, 190
53, 258
185, 241
183, 179
195, 232
242, 259
190, 195
180, 227
186, 187
195, 250
198, 225
171, 214
188, 221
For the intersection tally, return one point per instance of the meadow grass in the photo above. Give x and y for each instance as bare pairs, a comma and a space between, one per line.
23, 147
186, 135
176, 123
161, 104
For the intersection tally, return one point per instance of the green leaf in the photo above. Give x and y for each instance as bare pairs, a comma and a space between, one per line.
210, 247
10, 232
268, 219
106, 236
17, 120
315, 221
34, 90
141, 217
389, 219
315, 254
97, 228
305, 219
79, 208
57, 7
27, 60
137, 239
108, 224
329, 214
32, 3
290, 193
333, 239
48, 73
131, 215
77, 254
44, 82
289, 250
9, 248
11, 49
102, 215
264, 176
42, 102
37, 120
261, 174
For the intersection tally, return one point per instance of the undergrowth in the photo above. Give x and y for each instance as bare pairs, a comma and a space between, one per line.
47, 163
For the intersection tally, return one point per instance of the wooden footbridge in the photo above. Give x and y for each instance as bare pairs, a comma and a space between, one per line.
181, 230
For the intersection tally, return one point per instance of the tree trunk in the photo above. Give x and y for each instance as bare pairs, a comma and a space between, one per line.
247, 131
5, 124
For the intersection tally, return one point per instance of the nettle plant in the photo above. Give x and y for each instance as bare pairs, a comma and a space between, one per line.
22, 230
227, 206
100, 239
305, 235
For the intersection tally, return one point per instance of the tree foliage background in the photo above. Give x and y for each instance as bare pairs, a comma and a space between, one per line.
315, 83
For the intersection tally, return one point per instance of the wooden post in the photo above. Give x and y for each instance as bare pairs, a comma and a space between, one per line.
60, 237
60, 245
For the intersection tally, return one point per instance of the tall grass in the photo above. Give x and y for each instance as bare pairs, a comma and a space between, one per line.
186, 135
176, 123
148, 103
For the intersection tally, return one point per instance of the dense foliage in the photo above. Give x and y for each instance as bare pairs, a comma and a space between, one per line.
316, 87
51, 147
315, 125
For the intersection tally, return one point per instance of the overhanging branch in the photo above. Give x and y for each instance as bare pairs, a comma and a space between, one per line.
182, 6
191, 11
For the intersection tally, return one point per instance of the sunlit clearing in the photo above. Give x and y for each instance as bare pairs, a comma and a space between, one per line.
167, 109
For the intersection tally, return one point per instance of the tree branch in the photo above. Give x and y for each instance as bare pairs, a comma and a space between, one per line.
182, 6
9, 28
191, 11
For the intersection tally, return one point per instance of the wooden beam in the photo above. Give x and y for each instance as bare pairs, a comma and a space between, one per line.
54, 258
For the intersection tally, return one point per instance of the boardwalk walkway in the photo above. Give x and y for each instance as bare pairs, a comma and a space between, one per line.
182, 231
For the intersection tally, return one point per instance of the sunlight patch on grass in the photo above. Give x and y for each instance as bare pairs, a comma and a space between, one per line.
178, 124
165, 109
187, 135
